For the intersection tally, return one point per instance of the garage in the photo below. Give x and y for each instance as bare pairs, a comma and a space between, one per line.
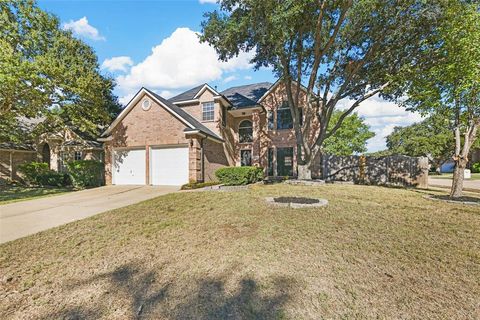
129, 166
169, 166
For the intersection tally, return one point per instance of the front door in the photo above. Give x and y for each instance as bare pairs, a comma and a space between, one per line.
284, 162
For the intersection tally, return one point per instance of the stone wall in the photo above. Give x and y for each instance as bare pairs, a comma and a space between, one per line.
391, 170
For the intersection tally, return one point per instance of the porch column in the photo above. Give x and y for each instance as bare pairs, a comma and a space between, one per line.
195, 161
256, 157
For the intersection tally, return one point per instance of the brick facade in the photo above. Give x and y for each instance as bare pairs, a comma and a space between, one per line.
9, 162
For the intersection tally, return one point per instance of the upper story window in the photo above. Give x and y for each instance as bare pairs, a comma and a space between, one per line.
78, 155
245, 131
208, 111
284, 116
270, 120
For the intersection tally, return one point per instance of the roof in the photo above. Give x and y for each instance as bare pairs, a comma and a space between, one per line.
247, 95
16, 146
187, 95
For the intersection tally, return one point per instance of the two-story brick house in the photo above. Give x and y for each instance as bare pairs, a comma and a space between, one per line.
188, 137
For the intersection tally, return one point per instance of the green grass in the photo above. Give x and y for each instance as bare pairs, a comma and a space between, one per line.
475, 176
9, 194
371, 253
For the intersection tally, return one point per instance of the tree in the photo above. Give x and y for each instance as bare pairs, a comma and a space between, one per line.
350, 138
46, 72
450, 87
339, 49
430, 138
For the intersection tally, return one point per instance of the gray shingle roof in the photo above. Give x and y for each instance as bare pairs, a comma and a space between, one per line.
17, 146
187, 95
247, 95
186, 116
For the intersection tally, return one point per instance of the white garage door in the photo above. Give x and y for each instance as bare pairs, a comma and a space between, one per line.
129, 167
169, 166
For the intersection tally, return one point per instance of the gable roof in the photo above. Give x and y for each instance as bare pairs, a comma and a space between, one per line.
193, 93
247, 95
191, 123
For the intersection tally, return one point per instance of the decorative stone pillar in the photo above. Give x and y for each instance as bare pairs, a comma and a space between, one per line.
195, 160
256, 138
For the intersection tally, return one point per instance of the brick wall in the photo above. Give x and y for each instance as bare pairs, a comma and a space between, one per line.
9, 162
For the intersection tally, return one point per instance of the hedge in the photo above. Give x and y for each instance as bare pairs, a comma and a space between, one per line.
38, 173
476, 167
86, 173
236, 176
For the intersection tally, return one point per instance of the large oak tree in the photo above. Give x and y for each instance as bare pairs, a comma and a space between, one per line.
47, 73
339, 49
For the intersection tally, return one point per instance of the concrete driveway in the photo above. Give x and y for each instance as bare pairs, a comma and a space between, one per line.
23, 218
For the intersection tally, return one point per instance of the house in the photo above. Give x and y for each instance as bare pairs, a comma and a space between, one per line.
55, 148
156, 141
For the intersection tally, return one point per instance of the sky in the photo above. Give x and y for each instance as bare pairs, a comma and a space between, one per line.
155, 44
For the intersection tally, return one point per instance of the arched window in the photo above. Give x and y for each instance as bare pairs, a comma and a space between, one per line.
245, 131
46, 154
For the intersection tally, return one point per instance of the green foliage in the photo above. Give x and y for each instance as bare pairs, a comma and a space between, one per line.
350, 138
236, 176
38, 173
432, 137
86, 173
197, 185
47, 72
476, 167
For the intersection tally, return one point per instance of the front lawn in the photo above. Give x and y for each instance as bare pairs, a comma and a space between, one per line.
14, 193
371, 253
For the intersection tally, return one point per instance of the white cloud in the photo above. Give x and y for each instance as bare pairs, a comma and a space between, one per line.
229, 79
207, 1
382, 116
179, 61
117, 64
247, 78
82, 28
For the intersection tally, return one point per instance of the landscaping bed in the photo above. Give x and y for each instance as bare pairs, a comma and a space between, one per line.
371, 253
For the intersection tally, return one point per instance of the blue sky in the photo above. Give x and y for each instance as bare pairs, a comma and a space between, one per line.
153, 44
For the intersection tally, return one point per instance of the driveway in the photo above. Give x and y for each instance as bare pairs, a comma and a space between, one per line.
23, 218
468, 185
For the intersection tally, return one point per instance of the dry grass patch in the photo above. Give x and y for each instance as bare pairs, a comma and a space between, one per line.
371, 253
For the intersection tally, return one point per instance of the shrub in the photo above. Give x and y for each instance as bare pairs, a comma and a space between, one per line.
235, 176
86, 173
476, 167
196, 185
38, 173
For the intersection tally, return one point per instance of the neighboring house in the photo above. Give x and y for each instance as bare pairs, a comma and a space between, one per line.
188, 137
56, 149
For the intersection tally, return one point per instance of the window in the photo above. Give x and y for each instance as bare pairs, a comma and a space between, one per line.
270, 121
208, 111
245, 158
245, 131
284, 117
78, 155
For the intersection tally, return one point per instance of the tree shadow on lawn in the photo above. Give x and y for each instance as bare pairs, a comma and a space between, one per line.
132, 288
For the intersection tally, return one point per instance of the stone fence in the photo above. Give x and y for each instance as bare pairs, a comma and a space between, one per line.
391, 170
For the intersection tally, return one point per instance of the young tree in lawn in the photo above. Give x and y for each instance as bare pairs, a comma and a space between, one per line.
450, 87
339, 49
46, 72
350, 138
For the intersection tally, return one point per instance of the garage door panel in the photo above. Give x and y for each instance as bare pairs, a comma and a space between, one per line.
129, 167
169, 166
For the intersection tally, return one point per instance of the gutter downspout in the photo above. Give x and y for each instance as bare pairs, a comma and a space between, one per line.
202, 162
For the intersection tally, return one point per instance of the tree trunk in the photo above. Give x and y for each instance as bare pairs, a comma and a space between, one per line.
458, 176
304, 172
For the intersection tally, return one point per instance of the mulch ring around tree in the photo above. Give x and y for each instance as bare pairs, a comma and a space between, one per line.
297, 202
461, 200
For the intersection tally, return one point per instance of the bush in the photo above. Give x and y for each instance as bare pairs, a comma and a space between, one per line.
38, 173
476, 167
236, 176
86, 173
196, 185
